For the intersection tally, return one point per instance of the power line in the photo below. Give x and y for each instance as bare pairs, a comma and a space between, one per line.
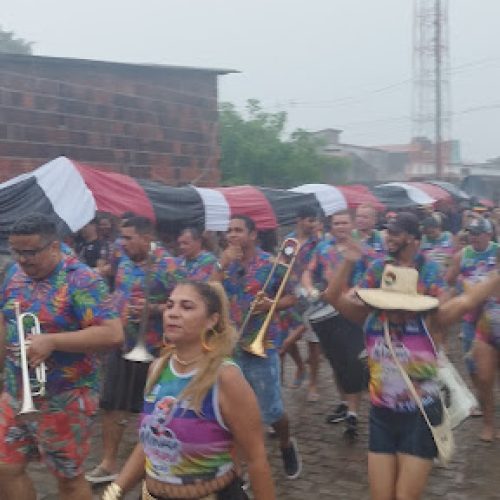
347, 100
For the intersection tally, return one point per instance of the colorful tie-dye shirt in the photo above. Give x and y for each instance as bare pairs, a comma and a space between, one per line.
430, 276
474, 268
439, 250
200, 268
305, 254
415, 351
327, 255
71, 298
181, 446
129, 291
375, 241
243, 283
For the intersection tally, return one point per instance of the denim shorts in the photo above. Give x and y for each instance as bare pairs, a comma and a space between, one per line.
394, 432
263, 375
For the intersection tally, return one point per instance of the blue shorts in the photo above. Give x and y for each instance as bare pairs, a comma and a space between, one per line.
394, 432
263, 375
468, 336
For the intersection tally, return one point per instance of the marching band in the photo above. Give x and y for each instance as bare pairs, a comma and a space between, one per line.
193, 340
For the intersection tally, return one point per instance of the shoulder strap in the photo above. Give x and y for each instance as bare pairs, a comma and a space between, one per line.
405, 376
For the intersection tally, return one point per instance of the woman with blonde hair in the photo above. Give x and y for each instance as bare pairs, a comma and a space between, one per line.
197, 409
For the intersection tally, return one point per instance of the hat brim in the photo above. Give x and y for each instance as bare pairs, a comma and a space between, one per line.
394, 301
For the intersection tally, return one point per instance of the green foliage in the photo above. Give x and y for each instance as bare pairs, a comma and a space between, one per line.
9, 44
254, 151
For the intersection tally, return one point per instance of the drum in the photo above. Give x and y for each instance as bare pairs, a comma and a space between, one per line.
320, 311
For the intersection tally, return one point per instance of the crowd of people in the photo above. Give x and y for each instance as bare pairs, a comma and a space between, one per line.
372, 293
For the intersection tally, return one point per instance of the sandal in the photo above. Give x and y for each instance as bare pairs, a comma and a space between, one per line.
100, 475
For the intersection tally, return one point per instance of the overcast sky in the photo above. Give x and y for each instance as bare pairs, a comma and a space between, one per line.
343, 64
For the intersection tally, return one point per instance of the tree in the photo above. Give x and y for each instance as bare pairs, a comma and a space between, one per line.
9, 44
254, 151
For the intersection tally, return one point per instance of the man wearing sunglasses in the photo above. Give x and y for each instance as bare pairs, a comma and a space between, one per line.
76, 319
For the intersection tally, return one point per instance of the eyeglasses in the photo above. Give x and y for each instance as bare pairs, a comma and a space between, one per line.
28, 254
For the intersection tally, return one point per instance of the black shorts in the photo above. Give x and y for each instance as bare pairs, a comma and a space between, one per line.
394, 432
343, 344
123, 383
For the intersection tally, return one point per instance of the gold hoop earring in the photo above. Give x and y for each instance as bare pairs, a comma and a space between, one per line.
204, 340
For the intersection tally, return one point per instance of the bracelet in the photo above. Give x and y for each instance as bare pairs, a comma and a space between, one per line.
219, 267
112, 492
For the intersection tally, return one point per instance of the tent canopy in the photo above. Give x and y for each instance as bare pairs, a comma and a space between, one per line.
74, 191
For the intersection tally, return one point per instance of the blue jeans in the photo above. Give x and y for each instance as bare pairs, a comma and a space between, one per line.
263, 375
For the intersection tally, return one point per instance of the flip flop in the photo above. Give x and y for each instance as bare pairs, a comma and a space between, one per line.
476, 412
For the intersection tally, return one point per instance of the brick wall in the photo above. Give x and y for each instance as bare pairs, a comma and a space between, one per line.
151, 122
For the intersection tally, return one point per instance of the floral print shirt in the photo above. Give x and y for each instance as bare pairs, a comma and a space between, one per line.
200, 268
71, 298
130, 291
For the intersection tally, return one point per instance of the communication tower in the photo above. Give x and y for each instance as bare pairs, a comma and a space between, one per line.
431, 114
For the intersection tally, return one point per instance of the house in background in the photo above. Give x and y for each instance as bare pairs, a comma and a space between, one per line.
367, 164
395, 162
150, 121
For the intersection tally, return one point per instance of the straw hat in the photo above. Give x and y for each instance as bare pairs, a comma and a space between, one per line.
398, 291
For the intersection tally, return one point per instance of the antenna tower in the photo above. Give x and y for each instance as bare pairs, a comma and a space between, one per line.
431, 87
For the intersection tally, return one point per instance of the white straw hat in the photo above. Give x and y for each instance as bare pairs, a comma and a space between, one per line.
398, 291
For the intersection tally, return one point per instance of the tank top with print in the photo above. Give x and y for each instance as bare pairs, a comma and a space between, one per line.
439, 250
181, 446
415, 351
475, 266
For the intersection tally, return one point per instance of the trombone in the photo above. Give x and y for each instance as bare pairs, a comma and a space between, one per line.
286, 256
31, 387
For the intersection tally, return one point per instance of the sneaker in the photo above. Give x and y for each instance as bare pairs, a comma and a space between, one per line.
338, 415
292, 462
245, 481
100, 475
351, 428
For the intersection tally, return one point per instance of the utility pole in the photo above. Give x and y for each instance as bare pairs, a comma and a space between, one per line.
438, 138
431, 95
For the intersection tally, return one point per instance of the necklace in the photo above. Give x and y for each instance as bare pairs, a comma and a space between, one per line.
183, 362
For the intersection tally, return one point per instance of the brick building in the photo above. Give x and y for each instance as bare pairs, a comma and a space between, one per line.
148, 121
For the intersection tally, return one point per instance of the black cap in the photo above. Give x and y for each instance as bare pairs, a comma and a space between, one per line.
405, 222
480, 225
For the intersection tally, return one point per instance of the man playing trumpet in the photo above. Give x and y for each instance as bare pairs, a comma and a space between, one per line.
76, 318
145, 277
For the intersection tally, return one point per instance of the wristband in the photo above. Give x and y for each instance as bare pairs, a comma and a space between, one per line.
219, 267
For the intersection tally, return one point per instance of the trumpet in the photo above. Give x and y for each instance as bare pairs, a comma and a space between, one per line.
139, 353
30, 387
286, 256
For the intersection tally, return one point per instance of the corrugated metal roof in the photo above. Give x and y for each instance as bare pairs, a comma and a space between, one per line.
33, 60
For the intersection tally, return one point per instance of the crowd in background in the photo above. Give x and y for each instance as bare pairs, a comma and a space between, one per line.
205, 296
